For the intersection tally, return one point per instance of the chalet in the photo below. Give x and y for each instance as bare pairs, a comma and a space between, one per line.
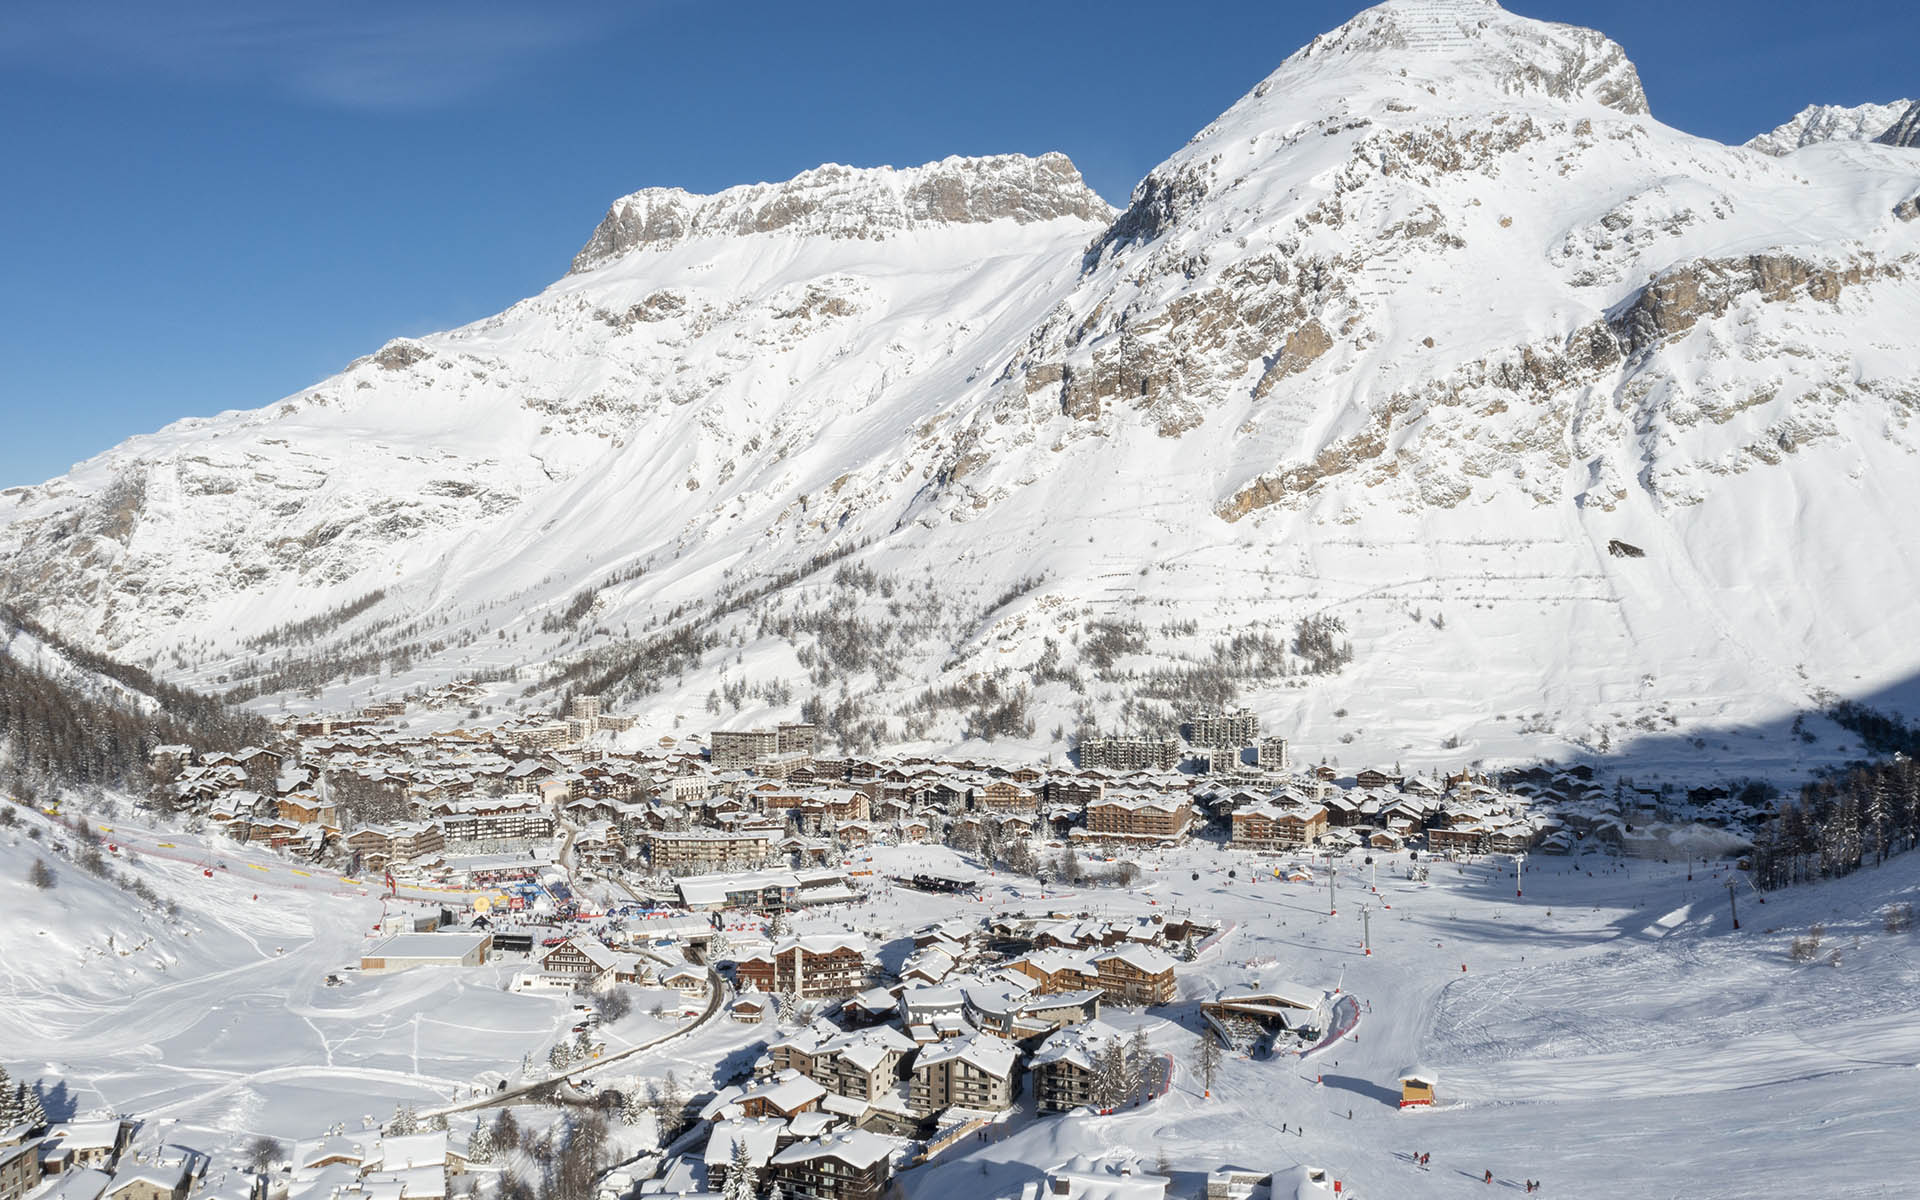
19, 1165
870, 1007
787, 1094
1513, 837
753, 1139
1372, 778
1056, 970
860, 1064
1272, 826
927, 966
1075, 792
303, 809
688, 980
973, 1072
380, 846
704, 851
751, 1008
853, 834
149, 1182
1134, 975
95, 1145
1459, 839
1064, 1068
1004, 795
583, 958
851, 1165
1138, 817
820, 965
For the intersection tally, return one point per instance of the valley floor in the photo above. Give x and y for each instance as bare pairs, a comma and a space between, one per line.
1608, 1032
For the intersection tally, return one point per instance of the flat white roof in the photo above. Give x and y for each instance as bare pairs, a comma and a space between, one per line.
428, 945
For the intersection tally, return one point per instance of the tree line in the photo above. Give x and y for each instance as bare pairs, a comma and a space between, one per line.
56, 733
1842, 821
1838, 824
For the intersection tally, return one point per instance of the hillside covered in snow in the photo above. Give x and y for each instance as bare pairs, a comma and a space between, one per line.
1435, 396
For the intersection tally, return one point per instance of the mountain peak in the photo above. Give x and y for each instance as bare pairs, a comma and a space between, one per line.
1819, 123
1480, 43
837, 201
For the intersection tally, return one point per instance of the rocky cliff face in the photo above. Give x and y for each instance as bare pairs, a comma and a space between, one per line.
1905, 131
1820, 123
1407, 338
851, 202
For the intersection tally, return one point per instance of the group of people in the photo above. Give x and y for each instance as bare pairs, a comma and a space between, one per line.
1420, 1159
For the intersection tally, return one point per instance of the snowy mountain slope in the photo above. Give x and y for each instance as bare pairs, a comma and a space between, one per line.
685, 354
1582, 427
1819, 123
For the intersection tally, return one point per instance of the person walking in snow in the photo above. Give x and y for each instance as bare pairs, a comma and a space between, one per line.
1489, 1176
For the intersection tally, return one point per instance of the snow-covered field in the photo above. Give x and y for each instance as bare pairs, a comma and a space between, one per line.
1609, 1033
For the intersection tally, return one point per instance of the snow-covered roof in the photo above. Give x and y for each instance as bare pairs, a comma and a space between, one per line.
992, 1055
855, 1147
759, 1135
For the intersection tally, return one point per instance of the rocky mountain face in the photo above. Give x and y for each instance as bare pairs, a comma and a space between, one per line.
1435, 400
849, 202
1818, 123
1905, 131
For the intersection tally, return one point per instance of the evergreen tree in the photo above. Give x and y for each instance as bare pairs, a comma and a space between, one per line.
1139, 1060
480, 1144
1206, 1056
505, 1135
404, 1122
10, 1113
559, 1056
1110, 1075
582, 1047
742, 1180
32, 1113
437, 1123
673, 1104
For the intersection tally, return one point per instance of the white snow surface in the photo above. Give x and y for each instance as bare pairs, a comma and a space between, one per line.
1608, 1031
1408, 337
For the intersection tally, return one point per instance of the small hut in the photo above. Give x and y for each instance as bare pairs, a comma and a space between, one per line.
1416, 1087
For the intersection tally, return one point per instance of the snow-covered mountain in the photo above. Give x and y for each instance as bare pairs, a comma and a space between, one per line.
1819, 123
1579, 425
1905, 131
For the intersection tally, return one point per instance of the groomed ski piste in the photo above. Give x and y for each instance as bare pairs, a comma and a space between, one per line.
1607, 1032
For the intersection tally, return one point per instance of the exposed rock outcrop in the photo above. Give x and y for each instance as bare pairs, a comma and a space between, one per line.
851, 202
1905, 131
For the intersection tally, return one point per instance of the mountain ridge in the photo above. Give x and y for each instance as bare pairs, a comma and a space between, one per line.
850, 202
1818, 123
1405, 341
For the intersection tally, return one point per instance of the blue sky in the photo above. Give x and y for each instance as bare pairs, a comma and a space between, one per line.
212, 205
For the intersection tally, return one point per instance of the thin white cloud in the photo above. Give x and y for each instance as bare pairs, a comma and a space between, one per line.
352, 54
